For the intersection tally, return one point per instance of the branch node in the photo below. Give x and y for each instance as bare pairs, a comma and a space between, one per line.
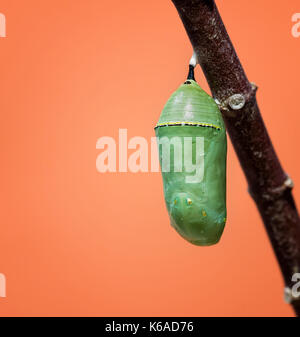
287, 184
254, 86
236, 101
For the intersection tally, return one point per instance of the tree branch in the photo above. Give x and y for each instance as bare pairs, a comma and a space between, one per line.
269, 186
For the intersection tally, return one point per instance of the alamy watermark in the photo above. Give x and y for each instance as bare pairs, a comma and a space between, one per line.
296, 286
2, 25
296, 26
178, 154
292, 294
2, 285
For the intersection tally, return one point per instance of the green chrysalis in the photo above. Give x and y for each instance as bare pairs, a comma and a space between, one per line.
192, 144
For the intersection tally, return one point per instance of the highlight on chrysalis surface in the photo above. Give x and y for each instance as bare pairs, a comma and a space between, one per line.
192, 143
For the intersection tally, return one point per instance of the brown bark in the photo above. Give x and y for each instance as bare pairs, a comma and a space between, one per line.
269, 185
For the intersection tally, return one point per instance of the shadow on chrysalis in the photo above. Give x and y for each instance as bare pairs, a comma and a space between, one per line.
192, 143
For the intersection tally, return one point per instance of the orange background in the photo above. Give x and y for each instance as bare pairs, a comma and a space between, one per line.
74, 241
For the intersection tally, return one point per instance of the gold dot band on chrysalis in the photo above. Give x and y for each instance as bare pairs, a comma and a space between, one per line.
208, 125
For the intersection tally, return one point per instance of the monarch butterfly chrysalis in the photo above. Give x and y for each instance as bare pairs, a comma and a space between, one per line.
192, 145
